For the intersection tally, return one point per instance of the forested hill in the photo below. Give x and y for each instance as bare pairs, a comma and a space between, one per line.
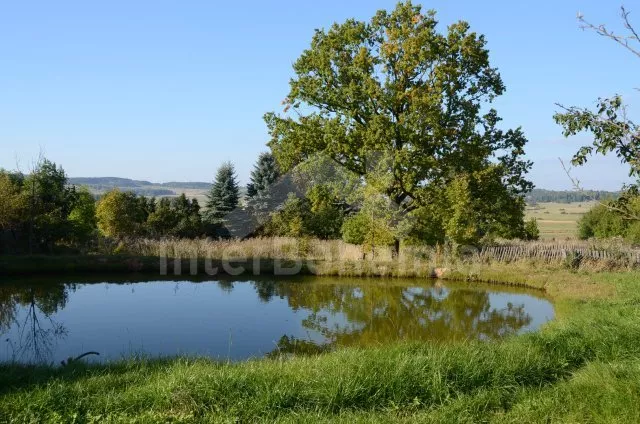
126, 182
109, 182
147, 188
100, 185
539, 195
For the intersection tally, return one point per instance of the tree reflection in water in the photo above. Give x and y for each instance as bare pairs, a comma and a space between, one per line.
36, 332
332, 313
374, 314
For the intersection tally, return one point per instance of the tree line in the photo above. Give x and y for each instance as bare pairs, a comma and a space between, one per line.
538, 195
43, 212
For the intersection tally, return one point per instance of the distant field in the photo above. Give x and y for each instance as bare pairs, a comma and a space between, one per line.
558, 220
191, 193
157, 191
100, 185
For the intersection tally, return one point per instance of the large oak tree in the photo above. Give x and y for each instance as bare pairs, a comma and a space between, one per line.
396, 95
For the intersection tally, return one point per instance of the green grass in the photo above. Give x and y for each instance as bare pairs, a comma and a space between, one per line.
583, 367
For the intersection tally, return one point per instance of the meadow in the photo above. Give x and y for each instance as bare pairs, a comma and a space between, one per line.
558, 221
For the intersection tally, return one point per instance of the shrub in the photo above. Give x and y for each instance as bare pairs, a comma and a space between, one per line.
531, 230
290, 220
573, 260
633, 233
354, 229
122, 214
601, 222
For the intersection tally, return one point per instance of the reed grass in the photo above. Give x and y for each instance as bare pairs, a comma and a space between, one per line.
334, 257
268, 256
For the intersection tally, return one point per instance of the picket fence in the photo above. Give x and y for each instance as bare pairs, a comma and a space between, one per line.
557, 253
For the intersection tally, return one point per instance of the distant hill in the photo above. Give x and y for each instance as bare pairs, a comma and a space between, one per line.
109, 182
127, 182
539, 195
191, 185
100, 185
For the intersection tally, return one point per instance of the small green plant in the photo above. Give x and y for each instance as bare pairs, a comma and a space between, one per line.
531, 230
573, 260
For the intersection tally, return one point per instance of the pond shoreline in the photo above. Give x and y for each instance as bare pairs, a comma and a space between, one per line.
494, 274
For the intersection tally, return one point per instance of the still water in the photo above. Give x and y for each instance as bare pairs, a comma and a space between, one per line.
232, 319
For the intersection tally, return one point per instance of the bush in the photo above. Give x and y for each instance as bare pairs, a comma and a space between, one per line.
326, 213
83, 218
290, 220
603, 221
633, 233
531, 230
122, 214
354, 229
573, 260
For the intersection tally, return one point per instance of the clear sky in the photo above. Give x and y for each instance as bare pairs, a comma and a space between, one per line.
167, 90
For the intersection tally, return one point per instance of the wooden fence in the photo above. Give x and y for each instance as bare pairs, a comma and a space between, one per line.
557, 253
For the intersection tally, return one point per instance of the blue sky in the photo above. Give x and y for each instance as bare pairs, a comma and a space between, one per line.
167, 90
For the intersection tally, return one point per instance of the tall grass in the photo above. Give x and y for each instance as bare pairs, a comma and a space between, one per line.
337, 257
334, 257
265, 248
320, 257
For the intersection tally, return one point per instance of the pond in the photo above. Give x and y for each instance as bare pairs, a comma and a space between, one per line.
49, 321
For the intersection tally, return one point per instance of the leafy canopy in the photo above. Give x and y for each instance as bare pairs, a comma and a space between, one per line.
83, 217
122, 214
394, 87
50, 201
178, 217
13, 202
613, 132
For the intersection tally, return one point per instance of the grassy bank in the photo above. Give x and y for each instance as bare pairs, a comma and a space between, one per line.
582, 367
519, 274
503, 263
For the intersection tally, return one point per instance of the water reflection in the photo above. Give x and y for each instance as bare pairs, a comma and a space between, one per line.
376, 313
30, 311
237, 320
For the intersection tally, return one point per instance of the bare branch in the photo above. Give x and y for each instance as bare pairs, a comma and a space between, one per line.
576, 185
627, 23
627, 41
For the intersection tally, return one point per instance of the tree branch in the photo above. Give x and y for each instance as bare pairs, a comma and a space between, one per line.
624, 40
576, 185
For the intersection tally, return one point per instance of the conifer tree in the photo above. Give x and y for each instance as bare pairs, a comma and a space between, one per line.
265, 172
224, 195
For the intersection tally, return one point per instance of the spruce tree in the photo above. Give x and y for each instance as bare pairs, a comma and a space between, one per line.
265, 172
224, 194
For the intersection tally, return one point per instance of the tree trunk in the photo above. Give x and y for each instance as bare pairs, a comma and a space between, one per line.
396, 248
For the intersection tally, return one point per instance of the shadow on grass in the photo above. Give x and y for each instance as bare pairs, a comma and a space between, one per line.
17, 377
